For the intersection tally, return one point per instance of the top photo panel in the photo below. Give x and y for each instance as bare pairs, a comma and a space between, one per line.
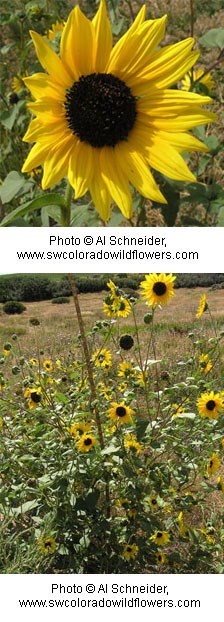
111, 113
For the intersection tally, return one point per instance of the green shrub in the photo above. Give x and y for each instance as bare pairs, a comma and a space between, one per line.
12, 307
61, 300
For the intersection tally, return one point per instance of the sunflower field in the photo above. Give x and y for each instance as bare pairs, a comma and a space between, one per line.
111, 113
112, 443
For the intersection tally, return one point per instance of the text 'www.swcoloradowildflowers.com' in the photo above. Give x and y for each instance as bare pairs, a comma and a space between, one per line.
111, 603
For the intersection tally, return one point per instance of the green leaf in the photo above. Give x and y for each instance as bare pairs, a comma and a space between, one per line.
38, 203
110, 450
214, 38
11, 185
8, 117
84, 216
25, 507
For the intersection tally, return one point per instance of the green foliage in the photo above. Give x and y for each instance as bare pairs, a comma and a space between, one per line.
151, 474
60, 300
13, 307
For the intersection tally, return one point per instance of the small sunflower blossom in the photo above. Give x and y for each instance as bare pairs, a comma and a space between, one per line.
48, 366
203, 306
33, 361
104, 390
56, 28
119, 413
183, 529
197, 75
157, 288
210, 404
121, 307
126, 370
130, 551
160, 537
209, 533
161, 559
47, 545
131, 444
178, 409
106, 115
34, 396
142, 377
102, 358
213, 465
113, 288
17, 82
6, 352
122, 387
108, 310
153, 502
86, 442
205, 363
78, 429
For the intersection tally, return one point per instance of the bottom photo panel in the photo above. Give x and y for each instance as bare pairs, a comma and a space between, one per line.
111, 423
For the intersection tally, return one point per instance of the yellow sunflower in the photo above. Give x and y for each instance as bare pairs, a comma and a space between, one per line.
34, 396
130, 551
153, 502
131, 443
210, 405
161, 558
213, 464
47, 545
160, 537
105, 115
157, 288
203, 306
78, 429
48, 365
102, 358
119, 413
126, 370
121, 307
198, 74
86, 442
205, 363
183, 529
55, 28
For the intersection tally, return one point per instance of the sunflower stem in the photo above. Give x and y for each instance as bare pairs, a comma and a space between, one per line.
91, 381
66, 209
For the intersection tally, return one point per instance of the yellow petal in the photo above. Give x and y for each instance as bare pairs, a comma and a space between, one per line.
42, 87
184, 142
98, 190
138, 48
56, 164
138, 173
76, 46
50, 61
116, 180
166, 66
179, 123
81, 168
164, 158
35, 157
103, 38
51, 133
170, 102
121, 44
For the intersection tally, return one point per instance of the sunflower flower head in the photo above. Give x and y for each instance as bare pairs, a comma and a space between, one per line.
102, 358
160, 537
126, 370
105, 116
210, 404
157, 289
56, 28
130, 551
48, 366
86, 442
119, 413
205, 363
213, 464
47, 545
203, 306
131, 444
34, 397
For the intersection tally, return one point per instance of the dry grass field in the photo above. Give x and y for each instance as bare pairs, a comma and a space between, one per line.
59, 327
